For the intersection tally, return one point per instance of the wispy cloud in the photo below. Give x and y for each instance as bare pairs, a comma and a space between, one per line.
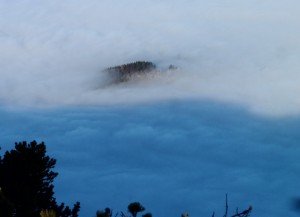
242, 52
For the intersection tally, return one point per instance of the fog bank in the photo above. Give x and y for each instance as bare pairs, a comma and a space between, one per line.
245, 53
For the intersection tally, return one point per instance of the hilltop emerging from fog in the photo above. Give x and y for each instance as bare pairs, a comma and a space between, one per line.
126, 72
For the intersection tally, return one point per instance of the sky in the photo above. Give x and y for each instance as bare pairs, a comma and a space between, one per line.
225, 122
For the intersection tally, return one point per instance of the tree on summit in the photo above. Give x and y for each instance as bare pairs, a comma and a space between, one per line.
135, 208
26, 180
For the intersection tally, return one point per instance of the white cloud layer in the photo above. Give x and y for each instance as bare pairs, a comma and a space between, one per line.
242, 52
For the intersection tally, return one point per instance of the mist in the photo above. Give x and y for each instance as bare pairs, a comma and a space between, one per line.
246, 53
227, 121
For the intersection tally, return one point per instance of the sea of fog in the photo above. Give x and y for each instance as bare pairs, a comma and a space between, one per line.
226, 121
172, 157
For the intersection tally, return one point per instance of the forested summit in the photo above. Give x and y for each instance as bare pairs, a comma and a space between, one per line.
125, 72
138, 66
135, 71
